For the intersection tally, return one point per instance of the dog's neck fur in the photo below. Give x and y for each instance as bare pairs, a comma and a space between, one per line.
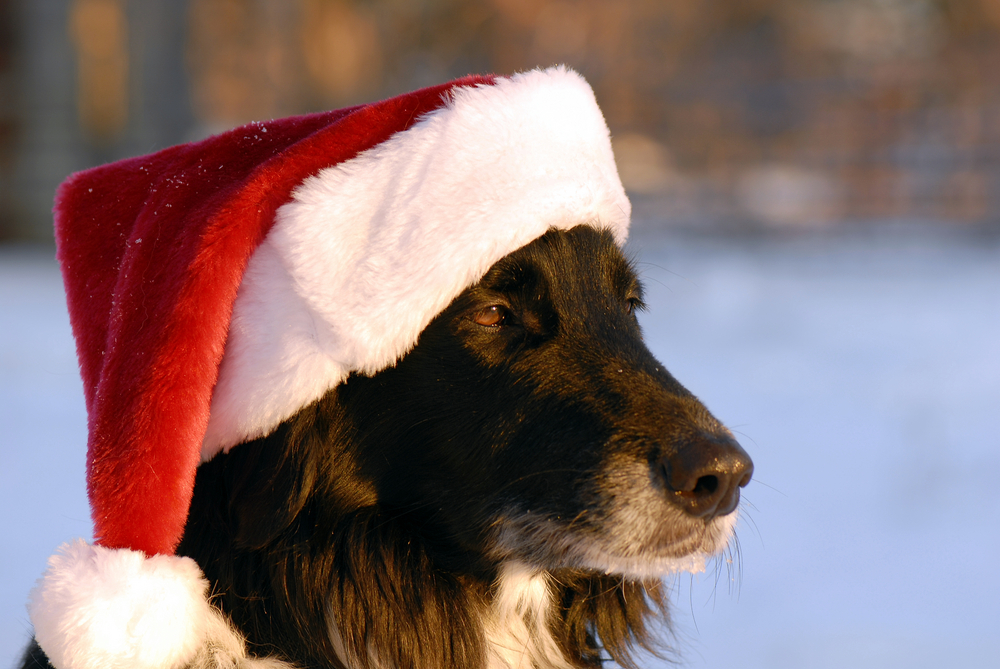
517, 629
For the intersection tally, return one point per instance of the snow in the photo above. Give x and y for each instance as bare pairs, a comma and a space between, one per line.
43, 435
861, 372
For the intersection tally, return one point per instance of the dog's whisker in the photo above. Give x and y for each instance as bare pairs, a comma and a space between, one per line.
756, 529
583, 512
544, 472
668, 271
758, 482
738, 566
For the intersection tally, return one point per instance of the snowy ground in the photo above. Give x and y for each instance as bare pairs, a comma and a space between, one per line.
861, 373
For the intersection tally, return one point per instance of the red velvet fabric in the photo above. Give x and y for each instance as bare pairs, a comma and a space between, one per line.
152, 251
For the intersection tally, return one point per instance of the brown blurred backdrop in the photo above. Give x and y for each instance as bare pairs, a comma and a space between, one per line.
730, 114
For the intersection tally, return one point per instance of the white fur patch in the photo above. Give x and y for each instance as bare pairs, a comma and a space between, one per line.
594, 556
529, 533
100, 608
370, 250
517, 632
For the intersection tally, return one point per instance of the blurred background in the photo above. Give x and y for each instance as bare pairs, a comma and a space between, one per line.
775, 113
816, 190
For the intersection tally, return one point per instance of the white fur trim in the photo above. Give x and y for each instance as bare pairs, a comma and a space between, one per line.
370, 250
99, 608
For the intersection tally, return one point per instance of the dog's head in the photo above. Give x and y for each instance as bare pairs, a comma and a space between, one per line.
535, 421
509, 488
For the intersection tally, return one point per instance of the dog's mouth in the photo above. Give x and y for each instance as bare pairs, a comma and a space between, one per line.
626, 542
689, 553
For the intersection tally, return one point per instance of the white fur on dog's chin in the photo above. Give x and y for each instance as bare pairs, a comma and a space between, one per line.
595, 557
101, 608
370, 250
529, 534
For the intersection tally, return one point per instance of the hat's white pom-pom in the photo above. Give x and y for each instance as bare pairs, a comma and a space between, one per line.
101, 608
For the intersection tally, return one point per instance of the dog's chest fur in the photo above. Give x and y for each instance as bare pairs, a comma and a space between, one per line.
517, 628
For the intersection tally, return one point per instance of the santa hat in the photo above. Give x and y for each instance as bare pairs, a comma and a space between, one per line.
218, 287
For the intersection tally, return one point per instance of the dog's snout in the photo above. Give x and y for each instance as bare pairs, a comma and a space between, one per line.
703, 476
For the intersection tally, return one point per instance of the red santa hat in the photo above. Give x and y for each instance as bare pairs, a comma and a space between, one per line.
218, 287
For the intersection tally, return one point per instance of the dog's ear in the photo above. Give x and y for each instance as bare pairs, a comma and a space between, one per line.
262, 498
389, 602
616, 611
265, 485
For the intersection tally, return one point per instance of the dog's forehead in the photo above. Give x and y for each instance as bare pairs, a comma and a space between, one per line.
583, 256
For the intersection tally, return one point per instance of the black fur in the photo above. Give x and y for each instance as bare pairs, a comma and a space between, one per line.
387, 510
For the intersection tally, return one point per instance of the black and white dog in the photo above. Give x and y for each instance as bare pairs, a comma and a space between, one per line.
507, 495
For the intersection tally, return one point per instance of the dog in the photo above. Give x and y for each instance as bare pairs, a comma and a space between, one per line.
508, 494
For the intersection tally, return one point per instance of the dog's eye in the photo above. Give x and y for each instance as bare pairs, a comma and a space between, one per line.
492, 316
634, 304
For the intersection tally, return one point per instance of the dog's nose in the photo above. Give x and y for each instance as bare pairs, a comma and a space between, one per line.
703, 475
